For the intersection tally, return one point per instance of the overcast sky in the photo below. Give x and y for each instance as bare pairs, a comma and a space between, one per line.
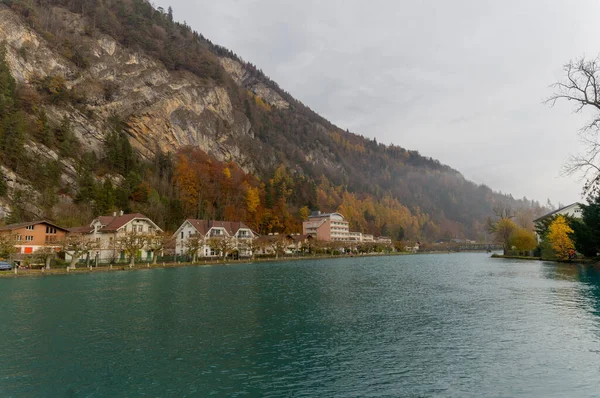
460, 81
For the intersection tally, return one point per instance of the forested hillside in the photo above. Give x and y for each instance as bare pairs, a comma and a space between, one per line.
110, 104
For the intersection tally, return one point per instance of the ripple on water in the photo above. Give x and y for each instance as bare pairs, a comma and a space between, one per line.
429, 325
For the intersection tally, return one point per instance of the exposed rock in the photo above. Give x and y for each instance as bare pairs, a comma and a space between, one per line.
242, 77
162, 109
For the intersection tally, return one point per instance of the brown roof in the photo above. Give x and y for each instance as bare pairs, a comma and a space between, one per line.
273, 238
203, 226
81, 230
110, 223
300, 238
113, 223
12, 227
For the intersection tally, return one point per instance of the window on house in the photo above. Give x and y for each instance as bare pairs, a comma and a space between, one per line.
181, 234
30, 227
29, 238
50, 230
18, 238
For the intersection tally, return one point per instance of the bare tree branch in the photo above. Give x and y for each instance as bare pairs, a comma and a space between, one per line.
581, 86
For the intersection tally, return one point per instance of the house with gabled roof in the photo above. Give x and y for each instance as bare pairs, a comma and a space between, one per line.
35, 235
105, 230
237, 232
573, 210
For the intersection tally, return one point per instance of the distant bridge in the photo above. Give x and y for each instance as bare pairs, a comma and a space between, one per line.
463, 247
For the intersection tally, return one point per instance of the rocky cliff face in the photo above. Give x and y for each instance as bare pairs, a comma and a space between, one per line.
191, 92
243, 78
161, 108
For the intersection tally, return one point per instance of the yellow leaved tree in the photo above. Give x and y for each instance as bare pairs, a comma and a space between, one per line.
558, 235
523, 240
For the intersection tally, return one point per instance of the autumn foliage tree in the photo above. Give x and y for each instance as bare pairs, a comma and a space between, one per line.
523, 240
76, 246
157, 243
193, 244
131, 243
558, 236
503, 231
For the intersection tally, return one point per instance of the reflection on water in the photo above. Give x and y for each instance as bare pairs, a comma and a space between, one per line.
428, 325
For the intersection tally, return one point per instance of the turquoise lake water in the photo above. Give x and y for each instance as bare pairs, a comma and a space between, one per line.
456, 325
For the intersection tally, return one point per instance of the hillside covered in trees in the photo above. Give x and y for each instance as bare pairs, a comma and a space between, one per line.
111, 105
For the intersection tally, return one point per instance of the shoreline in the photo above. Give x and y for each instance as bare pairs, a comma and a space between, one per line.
82, 269
575, 261
42, 272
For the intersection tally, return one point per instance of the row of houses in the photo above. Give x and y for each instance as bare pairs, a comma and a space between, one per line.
105, 232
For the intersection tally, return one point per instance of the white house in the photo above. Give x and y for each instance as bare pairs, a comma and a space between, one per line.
572, 210
239, 234
105, 230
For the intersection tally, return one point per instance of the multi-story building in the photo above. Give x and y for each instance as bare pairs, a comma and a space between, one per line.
326, 227
384, 240
367, 238
106, 230
32, 236
239, 235
355, 237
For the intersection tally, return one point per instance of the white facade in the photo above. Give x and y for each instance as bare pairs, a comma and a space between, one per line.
355, 237
572, 210
106, 240
240, 240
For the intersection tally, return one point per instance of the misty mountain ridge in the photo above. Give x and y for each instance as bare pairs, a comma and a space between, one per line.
127, 109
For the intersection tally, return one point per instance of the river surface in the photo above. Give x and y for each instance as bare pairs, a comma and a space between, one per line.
456, 325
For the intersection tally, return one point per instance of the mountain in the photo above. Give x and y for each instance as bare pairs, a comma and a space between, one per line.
110, 104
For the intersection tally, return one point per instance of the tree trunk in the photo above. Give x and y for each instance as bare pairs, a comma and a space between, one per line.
48, 262
132, 262
73, 261
154, 257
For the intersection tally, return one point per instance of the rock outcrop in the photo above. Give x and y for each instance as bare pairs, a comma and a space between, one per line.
161, 109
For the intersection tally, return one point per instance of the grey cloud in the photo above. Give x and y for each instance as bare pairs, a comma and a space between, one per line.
461, 81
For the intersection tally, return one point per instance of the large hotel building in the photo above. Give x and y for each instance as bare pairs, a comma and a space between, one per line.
327, 227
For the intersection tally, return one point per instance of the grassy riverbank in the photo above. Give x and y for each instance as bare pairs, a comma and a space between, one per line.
82, 269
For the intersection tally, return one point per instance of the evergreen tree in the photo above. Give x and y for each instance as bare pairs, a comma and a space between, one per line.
7, 85
586, 233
